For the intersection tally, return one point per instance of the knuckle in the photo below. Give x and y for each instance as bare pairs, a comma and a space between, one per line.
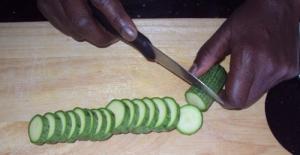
101, 3
82, 23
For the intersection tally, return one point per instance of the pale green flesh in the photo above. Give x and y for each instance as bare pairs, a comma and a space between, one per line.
51, 121
190, 120
151, 106
73, 123
142, 112
62, 118
36, 128
99, 120
194, 99
82, 118
173, 110
162, 114
118, 108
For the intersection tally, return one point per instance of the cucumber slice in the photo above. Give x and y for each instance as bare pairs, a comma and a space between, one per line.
174, 113
38, 129
215, 79
163, 115
110, 125
153, 114
72, 135
84, 120
121, 113
190, 120
100, 124
92, 124
54, 128
65, 125
143, 111
133, 114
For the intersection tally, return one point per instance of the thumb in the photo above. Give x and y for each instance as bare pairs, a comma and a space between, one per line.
213, 51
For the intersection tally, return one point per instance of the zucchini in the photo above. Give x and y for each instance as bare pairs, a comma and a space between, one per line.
215, 79
100, 124
163, 115
190, 120
121, 113
84, 122
65, 125
54, 128
133, 114
38, 129
73, 134
143, 116
153, 115
110, 125
174, 113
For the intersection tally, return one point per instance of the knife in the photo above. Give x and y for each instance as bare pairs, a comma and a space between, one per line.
151, 53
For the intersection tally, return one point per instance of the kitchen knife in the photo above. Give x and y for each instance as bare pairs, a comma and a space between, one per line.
151, 53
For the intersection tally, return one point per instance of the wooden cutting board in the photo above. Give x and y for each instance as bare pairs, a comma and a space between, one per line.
42, 70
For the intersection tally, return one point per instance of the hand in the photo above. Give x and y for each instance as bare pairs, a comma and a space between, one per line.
74, 18
262, 37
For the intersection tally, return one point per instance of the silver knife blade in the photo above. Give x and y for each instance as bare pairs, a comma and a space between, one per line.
178, 70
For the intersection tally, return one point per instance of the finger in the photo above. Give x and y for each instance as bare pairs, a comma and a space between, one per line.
53, 11
212, 51
118, 18
240, 80
86, 26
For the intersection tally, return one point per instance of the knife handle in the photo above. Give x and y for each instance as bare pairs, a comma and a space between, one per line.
141, 43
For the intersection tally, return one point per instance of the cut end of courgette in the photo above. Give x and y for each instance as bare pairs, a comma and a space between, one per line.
190, 121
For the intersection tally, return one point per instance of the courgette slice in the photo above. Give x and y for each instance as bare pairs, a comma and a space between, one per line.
110, 125
101, 124
54, 128
133, 114
190, 120
73, 134
84, 120
163, 115
121, 113
65, 125
153, 115
143, 111
38, 129
174, 113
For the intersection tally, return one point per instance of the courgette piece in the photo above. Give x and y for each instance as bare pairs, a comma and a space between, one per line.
65, 125
110, 125
163, 115
174, 113
38, 129
190, 120
54, 128
153, 115
84, 120
133, 114
143, 111
92, 124
101, 124
72, 136
121, 113
215, 79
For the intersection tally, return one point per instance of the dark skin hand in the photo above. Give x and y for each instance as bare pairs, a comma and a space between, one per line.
261, 37
74, 18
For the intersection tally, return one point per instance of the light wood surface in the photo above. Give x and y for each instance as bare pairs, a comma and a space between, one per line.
42, 70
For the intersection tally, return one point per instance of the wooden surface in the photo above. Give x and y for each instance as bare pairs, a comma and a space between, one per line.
42, 70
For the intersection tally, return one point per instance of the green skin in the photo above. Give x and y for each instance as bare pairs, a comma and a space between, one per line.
215, 79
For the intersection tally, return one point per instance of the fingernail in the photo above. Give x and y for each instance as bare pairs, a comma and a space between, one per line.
128, 33
193, 69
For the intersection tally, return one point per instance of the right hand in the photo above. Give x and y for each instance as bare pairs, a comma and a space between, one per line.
74, 18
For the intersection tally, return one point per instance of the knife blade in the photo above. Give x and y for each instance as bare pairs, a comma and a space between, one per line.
179, 71
151, 53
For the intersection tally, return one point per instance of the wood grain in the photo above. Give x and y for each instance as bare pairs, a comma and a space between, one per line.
42, 70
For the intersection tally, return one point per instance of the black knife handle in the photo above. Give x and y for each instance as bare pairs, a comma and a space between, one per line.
141, 43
